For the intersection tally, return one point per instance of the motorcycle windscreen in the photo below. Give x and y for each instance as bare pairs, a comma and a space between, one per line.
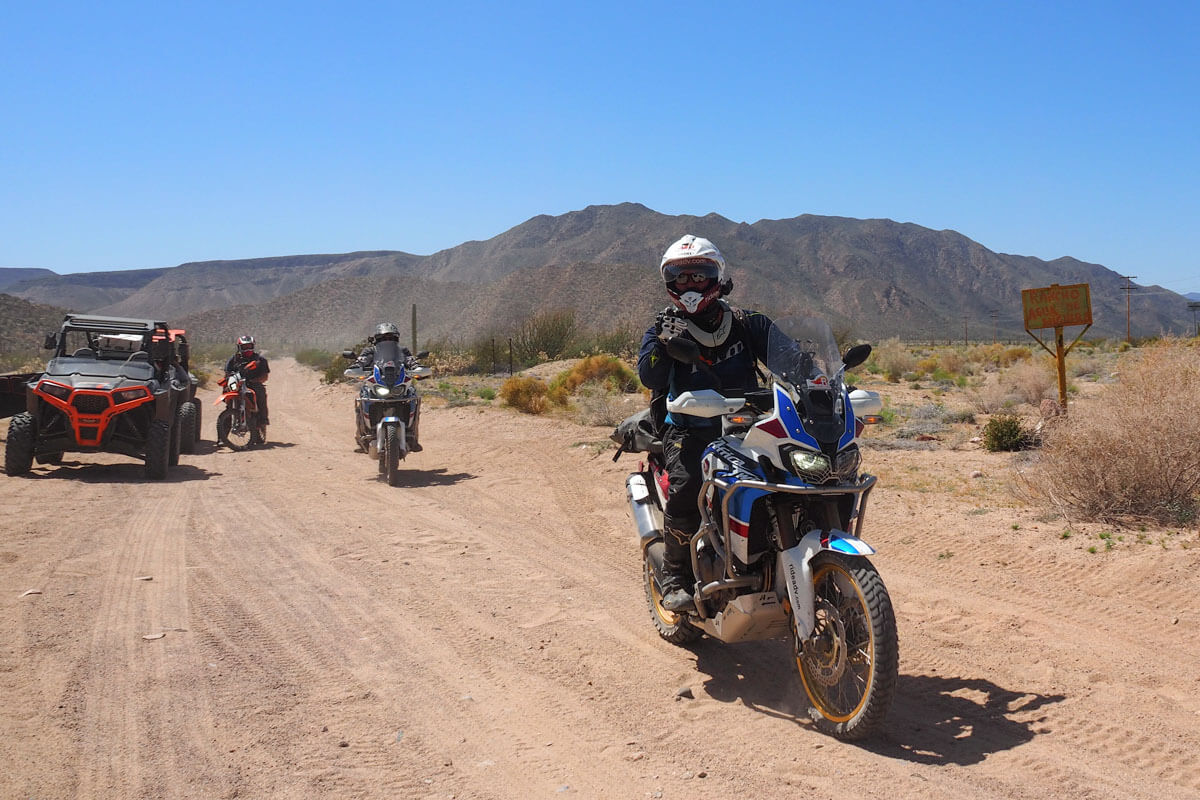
389, 363
803, 348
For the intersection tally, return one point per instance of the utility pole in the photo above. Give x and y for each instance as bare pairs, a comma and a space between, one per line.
1128, 287
965, 330
994, 314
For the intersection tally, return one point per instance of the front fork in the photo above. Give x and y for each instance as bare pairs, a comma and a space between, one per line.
381, 432
794, 568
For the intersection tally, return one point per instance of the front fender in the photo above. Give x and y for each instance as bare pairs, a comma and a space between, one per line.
383, 423
794, 570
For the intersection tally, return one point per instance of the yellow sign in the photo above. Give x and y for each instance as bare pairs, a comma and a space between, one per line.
1057, 306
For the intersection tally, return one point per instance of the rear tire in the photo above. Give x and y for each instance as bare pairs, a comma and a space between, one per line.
671, 626
158, 450
18, 452
848, 666
391, 453
187, 420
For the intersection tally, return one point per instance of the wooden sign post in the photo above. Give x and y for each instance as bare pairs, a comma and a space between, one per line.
1057, 307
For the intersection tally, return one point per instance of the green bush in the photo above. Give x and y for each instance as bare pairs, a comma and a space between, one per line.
1004, 432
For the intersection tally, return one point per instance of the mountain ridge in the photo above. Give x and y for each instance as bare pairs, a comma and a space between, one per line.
878, 277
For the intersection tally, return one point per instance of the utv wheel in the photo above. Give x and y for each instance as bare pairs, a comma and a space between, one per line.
187, 420
199, 418
391, 455
158, 450
18, 453
671, 626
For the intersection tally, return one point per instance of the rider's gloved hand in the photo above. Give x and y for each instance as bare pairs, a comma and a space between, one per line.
668, 325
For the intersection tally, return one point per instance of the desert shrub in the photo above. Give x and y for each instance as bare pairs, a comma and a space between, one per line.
618, 342
544, 337
1005, 432
1012, 355
1135, 452
597, 404
986, 355
894, 360
601, 369
524, 394
330, 365
1031, 381
959, 416
927, 411
953, 361
926, 366
994, 396
487, 393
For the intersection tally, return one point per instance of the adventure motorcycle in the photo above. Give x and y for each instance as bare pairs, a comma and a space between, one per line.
388, 408
237, 424
782, 506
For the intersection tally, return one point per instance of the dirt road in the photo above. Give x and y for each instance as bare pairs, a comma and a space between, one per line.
281, 623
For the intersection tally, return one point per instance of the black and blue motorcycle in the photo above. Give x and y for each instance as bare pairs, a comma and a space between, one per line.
387, 409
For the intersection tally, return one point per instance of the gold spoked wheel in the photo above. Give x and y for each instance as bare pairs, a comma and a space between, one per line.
848, 665
671, 626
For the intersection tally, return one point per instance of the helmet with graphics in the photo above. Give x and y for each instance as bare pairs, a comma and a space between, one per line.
693, 271
387, 331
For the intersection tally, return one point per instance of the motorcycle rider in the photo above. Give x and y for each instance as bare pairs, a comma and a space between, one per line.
254, 368
388, 332
730, 341
384, 331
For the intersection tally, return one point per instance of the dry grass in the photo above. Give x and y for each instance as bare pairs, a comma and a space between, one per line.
1134, 454
525, 394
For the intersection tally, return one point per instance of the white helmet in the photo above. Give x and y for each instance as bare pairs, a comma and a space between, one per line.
694, 255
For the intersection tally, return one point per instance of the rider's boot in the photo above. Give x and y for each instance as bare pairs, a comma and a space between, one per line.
677, 577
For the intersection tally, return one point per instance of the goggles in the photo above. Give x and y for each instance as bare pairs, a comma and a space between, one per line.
690, 271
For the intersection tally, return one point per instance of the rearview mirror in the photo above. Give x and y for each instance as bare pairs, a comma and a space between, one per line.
51, 342
856, 355
348, 354
422, 354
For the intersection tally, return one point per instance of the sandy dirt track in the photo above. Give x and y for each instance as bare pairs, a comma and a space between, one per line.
480, 632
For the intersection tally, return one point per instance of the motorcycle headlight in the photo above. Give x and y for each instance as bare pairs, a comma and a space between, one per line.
847, 462
809, 466
382, 391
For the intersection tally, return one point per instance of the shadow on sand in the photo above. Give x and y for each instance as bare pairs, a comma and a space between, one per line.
934, 719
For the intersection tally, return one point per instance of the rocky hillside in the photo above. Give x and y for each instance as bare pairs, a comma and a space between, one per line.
23, 327
875, 277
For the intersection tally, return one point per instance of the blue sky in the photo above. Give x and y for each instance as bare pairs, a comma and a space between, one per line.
147, 135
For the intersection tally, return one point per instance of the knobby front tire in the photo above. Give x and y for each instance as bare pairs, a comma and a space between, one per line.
849, 665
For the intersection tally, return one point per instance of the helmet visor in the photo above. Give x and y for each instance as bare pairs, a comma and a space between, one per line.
696, 271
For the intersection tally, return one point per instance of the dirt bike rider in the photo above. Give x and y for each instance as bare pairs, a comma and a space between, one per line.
388, 332
730, 340
254, 368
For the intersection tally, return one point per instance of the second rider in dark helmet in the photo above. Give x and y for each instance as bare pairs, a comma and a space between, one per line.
731, 340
